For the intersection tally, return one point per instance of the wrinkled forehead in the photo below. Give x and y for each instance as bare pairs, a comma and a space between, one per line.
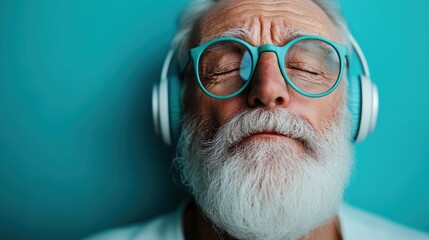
265, 22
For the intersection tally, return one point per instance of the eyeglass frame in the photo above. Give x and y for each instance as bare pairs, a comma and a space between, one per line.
194, 54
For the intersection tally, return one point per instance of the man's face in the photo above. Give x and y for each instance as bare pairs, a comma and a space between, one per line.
268, 163
268, 22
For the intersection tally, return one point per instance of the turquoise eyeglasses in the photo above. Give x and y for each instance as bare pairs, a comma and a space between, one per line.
312, 65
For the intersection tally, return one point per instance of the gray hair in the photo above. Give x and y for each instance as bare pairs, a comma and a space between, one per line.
195, 10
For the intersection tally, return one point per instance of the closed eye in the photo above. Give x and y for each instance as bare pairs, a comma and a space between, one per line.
222, 73
307, 70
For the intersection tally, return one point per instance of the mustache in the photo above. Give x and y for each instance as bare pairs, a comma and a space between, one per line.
263, 120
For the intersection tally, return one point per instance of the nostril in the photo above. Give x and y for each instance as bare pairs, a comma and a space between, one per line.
279, 101
257, 102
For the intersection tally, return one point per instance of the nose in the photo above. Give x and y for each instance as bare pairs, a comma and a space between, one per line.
268, 88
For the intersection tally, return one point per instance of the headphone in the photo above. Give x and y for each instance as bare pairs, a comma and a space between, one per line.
363, 97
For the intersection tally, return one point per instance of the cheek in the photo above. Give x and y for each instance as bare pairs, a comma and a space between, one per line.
310, 109
320, 112
222, 110
330, 107
196, 103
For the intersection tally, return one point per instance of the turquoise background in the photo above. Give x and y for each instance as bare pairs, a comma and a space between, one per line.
78, 153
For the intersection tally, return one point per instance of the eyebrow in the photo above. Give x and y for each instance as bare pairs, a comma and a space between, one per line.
294, 33
243, 33
237, 32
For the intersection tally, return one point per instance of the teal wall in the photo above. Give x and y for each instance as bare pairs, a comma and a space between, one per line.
392, 165
77, 149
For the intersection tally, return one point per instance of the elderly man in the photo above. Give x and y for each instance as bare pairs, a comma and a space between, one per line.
266, 139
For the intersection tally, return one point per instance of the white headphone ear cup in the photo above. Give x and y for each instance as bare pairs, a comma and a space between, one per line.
166, 101
355, 104
160, 102
375, 102
369, 108
164, 112
363, 94
155, 108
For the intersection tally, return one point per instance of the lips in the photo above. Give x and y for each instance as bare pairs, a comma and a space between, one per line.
263, 135
268, 133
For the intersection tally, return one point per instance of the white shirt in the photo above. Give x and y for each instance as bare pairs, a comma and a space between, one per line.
355, 225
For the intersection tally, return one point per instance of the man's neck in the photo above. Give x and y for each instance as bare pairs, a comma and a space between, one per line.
196, 226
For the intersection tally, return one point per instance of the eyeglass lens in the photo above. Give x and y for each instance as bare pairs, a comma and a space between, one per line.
313, 66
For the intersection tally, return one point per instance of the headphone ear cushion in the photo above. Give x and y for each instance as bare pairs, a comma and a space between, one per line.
355, 103
175, 107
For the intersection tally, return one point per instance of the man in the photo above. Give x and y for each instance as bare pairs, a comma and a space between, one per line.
265, 148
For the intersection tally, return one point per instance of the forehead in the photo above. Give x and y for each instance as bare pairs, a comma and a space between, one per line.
267, 22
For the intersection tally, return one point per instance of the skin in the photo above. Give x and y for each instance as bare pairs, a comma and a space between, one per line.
268, 22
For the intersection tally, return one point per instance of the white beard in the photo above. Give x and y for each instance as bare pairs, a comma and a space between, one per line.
270, 188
